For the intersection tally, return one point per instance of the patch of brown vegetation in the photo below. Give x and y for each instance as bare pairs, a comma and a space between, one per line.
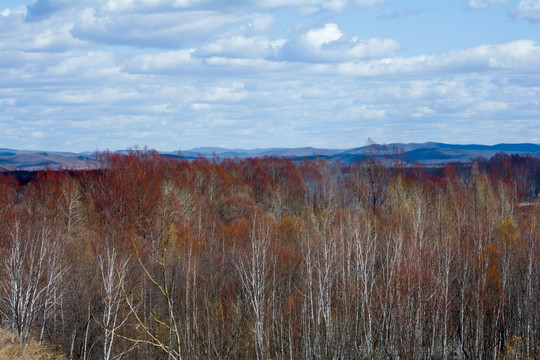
12, 349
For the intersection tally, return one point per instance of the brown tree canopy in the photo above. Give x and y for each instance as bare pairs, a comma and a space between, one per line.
152, 257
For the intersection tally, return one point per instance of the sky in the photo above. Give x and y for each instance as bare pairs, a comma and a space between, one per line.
81, 75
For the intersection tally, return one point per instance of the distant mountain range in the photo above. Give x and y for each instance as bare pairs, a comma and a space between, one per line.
429, 153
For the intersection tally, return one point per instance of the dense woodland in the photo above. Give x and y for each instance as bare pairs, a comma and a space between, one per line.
266, 258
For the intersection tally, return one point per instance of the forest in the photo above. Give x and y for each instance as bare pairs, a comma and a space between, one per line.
268, 258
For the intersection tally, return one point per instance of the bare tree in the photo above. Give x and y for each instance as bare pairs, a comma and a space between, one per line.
157, 326
113, 271
253, 270
32, 277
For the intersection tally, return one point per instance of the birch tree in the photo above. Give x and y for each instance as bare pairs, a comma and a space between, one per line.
253, 268
32, 277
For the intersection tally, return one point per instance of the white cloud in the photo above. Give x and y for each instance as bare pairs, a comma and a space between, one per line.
528, 10
14, 11
158, 30
261, 23
420, 90
521, 55
62, 24
94, 96
365, 112
483, 4
49, 35
335, 5
329, 44
423, 111
201, 106
175, 74
491, 106
124, 6
93, 65
163, 62
242, 47
317, 37
38, 134
368, 3
8, 102
233, 93
308, 10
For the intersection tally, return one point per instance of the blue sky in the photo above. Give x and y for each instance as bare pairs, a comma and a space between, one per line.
177, 74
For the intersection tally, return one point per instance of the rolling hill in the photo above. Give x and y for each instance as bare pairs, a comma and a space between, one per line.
430, 153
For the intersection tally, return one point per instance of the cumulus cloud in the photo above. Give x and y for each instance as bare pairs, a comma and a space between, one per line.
132, 6
304, 7
170, 62
242, 47
329, 44
528, 10
127, 6
259, 24
49, 35
522, 55
95, 96
175, 73
325, 4
92, 64
161, 23
160, 30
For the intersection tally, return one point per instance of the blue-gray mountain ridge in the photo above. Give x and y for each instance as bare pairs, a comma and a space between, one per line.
430, 153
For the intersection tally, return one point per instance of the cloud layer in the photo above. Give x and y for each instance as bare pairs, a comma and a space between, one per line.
529, 10
80, 75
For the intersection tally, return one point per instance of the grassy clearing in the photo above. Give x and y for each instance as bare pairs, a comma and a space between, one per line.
11, 349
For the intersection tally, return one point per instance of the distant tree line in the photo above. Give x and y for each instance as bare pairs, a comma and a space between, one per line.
266, 258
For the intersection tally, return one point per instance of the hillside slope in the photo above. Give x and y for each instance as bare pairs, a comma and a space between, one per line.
430, 153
